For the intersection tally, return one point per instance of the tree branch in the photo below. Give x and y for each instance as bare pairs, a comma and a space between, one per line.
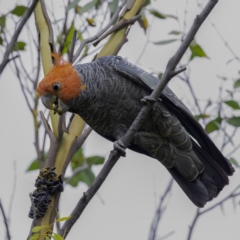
91, 39
199, 213
5, 221
159, 211
9, 47
115, 155
53, 142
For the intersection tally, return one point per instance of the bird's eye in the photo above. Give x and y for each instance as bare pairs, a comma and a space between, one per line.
56, 86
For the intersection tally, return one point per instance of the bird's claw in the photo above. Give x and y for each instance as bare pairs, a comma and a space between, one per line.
147, 99
119, 146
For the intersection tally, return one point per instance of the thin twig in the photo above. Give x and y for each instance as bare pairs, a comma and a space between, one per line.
5, 221
49, 24
13, 189
199, 213
53, 142
9, 47
166, 236
22, 86
193, 224
64, 30
78, 142
159, 211
115, 155
146, 43
91, 39
233, 150
72, 46
121, 24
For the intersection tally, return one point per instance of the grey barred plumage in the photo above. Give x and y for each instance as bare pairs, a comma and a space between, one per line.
111, 102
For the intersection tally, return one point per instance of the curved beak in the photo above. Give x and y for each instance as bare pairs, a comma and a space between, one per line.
54, 103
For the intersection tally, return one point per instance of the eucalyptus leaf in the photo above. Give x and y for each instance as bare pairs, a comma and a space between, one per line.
73, 4
201, 116
63, 219
233, 104
88, 6
19, 10
165, 42
213, 125
174, 33
68, 40
19, 46
113, 7
2, 22
86, 176
38, 228
157, 14
237, 83
196, 50
234, 162
34, 165
234, 121
77, 159
95, 160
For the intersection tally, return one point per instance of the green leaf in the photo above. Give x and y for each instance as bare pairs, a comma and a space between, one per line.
160, 75
234, 162
174, 33
95, 160
233, 104
38, 228
63, 219
201, 116
143, 22
34, 165
157, 14
113, 7
56, 236
171, 16
35, 236
19, 46
237, 83
73, 4
98, 4
88, 6
77, 159
47, 238
213, 125
147, 3
196, 50
234, 121
19, 10
68, 40
79, 35
85, 176
160, 15
165, 41
2, 23
91, 22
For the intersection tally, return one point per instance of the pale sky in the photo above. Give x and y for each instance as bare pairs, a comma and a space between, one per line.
133, 188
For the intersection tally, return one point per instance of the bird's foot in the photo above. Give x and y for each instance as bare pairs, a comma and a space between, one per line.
119, 146
147, 99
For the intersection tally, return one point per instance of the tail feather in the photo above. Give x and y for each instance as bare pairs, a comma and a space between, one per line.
208, 184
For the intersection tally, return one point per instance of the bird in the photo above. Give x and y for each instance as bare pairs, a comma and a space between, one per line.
109, 92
